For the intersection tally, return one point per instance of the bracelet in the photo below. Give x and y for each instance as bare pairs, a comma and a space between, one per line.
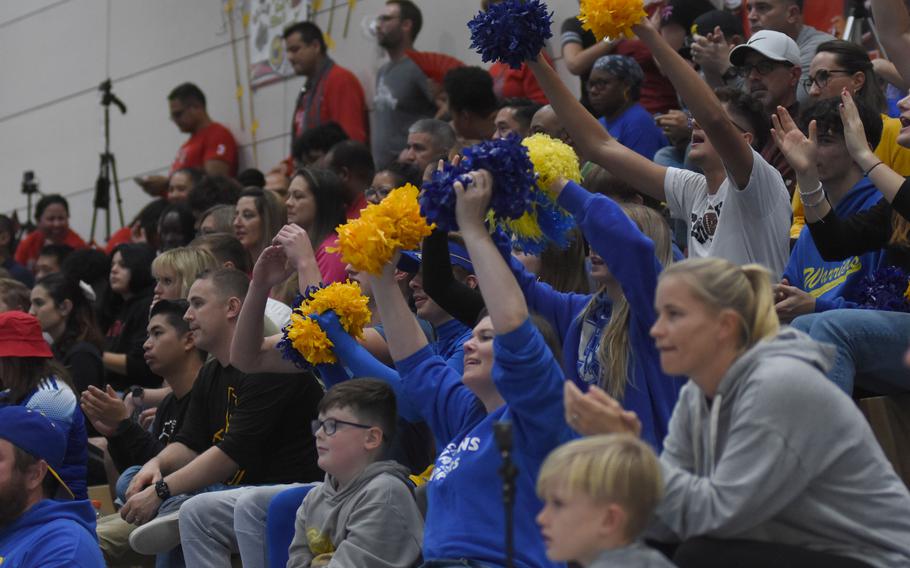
804, 194
869, 171
818, 202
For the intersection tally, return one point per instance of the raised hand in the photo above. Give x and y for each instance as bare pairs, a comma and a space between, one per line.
473, 200
272, 267
712, 52
854, 133
800, 151
296, 244
104, 409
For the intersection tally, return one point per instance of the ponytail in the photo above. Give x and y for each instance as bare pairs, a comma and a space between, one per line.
744, 289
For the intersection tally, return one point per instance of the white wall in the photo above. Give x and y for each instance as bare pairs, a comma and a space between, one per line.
56, 52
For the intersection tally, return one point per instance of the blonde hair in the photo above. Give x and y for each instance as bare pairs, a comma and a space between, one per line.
610, 468
614, 351
900, 230
744, 289
186, 263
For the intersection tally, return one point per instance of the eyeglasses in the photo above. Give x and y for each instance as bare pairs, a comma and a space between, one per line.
377, 193
330, 426
599, 83
822, 77
763, 67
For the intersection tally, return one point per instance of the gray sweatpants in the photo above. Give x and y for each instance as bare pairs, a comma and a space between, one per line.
213, 526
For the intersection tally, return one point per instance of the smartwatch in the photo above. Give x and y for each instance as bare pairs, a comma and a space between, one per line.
162, 490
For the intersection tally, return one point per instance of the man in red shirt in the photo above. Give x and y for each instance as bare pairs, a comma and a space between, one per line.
331, 92
211, 146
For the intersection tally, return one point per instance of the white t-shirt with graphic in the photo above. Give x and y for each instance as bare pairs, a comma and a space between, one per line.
741, 225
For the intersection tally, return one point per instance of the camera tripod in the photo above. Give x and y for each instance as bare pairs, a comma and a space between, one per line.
107, 171
857, 16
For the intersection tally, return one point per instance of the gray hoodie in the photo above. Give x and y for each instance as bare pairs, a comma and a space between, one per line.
373, 522
782, 455
636, 554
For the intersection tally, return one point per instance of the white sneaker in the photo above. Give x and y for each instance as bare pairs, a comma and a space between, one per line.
161, 534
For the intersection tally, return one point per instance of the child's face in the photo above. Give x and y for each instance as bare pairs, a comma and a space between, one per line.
572, 526
344, 452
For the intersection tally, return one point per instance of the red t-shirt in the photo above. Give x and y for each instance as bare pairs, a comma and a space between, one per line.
120, 236
354, 209
214, 142
516, 83
29, 247
337, 97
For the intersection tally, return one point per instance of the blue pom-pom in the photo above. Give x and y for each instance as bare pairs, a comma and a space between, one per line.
513, 178
884, 291
508, 162
512, 32
437, 198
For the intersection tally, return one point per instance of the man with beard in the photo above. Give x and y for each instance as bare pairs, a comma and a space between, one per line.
36, 529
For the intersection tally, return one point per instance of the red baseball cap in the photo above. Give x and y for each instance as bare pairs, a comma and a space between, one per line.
20, 336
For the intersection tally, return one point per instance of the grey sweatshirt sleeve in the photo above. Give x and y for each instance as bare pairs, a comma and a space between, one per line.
299, 554
386, 532
758, 474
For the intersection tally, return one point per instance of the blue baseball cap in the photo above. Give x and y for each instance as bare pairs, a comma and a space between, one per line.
410, 259
35, 434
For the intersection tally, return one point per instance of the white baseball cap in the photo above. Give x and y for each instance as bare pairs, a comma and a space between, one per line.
773, 45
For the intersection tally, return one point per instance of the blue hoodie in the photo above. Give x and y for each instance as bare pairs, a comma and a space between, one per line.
52, 534
465, 516
834, 283
630, 256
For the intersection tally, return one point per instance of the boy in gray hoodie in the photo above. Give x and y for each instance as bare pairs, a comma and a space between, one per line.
364, 514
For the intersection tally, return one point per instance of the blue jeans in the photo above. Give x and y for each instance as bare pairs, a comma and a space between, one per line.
870, 347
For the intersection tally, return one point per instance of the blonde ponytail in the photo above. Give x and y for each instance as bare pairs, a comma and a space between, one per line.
744, 289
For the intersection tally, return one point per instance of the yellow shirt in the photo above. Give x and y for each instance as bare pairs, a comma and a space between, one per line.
888, 151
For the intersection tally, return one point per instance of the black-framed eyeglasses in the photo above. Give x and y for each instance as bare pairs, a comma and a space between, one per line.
763, 67
330, 425
821, 78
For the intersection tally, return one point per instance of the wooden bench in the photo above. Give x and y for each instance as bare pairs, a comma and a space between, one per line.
889, 417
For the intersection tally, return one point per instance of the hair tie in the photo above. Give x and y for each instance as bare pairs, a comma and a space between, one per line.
87, 291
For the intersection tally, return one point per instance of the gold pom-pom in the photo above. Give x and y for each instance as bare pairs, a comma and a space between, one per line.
553, 159
305, 335
611, 18
368, 243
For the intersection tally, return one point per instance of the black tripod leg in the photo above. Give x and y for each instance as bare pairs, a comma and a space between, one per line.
116, 180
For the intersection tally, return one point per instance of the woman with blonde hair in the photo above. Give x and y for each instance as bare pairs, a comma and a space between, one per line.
748, 479
176, 269
605, 339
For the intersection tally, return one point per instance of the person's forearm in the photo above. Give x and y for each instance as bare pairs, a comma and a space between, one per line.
401, 328
247, 343
174, 456
580, 60
886, 180
888, 71
501, 294
212, 466
815, 204
308, 273
893, 23
114, 362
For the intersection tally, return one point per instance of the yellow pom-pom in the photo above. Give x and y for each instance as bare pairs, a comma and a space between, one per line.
907, 292
348, 303
309, 340
525, 227
553, 159
611, 18
368, 243
305, 335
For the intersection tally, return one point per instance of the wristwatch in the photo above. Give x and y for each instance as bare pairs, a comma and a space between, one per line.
162, 490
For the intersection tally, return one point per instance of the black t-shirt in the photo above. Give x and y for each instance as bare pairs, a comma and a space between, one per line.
132, 445
261, 421
127, 335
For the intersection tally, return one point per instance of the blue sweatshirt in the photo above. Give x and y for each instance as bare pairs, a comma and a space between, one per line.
465, 517
56, 400
52, 534
636, 130
449, 344
630, 256
834, 283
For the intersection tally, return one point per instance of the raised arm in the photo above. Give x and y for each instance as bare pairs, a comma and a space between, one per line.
251, 353
401, 328
456, 298
703, 104
593, 140
801, 152
501, 293
893, 23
